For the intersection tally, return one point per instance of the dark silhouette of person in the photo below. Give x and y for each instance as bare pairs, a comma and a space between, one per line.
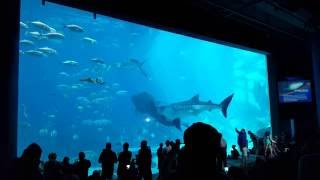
133, 170
144, 159
171, 161
81, 167
167, 159
222, 158
254, 139
197, 159
95, 176
176, 151
66, 166
160, 155
124, 163
67, 169
27, 166
243, 145
234, 153
52, 168
107, 159
168, 146
177, 146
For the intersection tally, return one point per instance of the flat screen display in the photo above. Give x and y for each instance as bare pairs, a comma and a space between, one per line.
294, 91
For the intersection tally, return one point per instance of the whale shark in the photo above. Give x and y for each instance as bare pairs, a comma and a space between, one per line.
193, 107
170, 115
145, 104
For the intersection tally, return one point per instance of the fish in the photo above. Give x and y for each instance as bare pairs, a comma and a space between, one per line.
93, 80
54, 35
98, 122
35, 53
74, 87
36, 35
132, 63
74, 28
53, 133
26, 42
171, 114
89, 40
80, 107
139, 66
122, 92
25, 114
145, 104
23, 25
43, 132
42, 26
47, 50
75, 136
64, 74
193, 107
115, 85
97, 60
25, 124
51, 116
70, 62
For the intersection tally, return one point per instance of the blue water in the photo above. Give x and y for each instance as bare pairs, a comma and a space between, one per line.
65, 115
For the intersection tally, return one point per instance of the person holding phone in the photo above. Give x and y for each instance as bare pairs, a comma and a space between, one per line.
243, 145
124, 159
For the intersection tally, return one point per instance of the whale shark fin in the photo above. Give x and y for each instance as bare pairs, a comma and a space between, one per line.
225, 104
177, 123
195, 98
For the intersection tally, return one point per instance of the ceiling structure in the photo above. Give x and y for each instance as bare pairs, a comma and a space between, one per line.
294, 19
291, 17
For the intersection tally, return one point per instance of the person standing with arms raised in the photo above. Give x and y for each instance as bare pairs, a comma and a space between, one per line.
243, 145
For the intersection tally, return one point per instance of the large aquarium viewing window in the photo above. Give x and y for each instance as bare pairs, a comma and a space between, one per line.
84, 82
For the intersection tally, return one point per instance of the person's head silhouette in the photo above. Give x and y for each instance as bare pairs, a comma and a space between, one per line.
200, 135
52, 156
144, 144
81, 156
161, 145
32, 152
108, 146
126, 146
66, 160
198, 158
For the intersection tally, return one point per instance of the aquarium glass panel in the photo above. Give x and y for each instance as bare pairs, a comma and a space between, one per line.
84, 82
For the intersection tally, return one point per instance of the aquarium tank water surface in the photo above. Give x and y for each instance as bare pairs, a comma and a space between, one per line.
84, 82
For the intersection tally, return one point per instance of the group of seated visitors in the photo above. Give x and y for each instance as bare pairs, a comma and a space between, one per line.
203, 148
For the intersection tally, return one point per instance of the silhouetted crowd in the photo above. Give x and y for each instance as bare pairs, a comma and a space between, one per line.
203, 157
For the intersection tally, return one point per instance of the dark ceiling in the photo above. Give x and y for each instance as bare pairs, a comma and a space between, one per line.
294, 19
290, 16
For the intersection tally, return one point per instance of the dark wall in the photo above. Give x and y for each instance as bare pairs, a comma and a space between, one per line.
9, 36
293, 59
314, 42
